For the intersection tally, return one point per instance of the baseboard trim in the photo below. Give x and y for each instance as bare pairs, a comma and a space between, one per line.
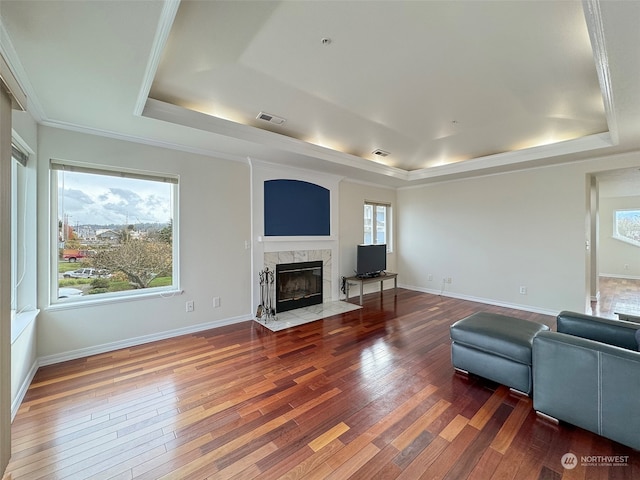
132, 342
15, 405
621, 277
486, 301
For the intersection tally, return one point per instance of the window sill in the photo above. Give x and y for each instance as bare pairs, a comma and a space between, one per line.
82, 303
20, 322
626, 240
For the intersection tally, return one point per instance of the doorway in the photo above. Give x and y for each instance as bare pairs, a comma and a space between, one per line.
613, 277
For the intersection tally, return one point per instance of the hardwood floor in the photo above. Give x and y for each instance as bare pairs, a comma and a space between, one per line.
369, 394
617, 295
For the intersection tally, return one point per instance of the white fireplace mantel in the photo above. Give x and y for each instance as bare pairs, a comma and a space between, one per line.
267, 239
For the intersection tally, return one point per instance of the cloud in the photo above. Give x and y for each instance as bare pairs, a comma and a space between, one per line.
101, 200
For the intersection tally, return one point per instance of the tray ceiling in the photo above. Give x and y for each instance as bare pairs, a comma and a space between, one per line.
431, 83
445, 88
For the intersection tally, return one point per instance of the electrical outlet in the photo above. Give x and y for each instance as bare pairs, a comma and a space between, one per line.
448, 279
523, 290
216, 302
430, 278
189, 306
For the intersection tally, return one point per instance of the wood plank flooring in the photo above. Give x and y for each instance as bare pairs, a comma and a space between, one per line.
369, 394
617, 295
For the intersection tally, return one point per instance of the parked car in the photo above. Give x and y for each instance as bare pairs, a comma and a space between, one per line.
72, 255
66, 292
87, 273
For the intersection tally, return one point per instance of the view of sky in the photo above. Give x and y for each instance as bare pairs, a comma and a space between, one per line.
103, 200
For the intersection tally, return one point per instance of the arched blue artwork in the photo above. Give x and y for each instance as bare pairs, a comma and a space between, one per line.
296, 208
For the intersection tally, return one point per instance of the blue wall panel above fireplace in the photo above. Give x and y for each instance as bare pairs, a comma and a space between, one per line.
296, 208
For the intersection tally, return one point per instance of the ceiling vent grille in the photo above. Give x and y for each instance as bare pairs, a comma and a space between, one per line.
380, 153
267, 117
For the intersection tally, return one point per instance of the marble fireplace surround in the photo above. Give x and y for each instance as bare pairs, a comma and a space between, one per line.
271, 259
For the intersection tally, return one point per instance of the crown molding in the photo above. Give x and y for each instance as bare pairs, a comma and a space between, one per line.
593, 17
178, 115
167, 17
578, 145
143, 140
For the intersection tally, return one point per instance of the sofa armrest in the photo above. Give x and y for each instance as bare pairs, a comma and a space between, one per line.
620, 333
589, 384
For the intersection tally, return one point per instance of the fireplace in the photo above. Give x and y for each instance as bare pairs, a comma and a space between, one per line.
298, 285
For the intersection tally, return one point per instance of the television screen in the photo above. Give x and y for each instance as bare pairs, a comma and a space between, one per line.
371, 260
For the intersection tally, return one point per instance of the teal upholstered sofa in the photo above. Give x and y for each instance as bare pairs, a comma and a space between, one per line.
588, 374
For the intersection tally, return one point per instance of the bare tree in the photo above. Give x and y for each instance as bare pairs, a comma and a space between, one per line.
140, 260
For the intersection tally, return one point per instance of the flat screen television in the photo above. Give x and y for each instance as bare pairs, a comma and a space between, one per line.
371, 260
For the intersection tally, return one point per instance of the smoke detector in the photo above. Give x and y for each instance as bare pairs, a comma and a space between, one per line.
380, 153
267, 117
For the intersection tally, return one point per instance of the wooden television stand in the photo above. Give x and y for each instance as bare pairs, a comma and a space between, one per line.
362, 281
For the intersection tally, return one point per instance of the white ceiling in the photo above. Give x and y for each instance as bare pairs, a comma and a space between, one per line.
449, 88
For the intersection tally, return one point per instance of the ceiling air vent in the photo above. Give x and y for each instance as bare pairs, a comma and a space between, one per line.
267, 117
380, 153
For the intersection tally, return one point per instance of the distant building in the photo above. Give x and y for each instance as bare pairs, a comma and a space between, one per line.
107, 236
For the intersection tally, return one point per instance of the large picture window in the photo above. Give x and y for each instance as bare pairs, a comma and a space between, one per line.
626, 226
376, 223
115, 232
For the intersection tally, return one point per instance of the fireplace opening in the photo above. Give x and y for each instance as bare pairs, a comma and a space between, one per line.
298, 285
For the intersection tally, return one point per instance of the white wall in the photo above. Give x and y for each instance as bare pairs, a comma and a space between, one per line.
214, 226
493, 234
352, 198
615, 254
24, 363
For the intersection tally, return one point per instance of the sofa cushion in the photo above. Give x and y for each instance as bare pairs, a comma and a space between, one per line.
508, 337
620, 333
638, 338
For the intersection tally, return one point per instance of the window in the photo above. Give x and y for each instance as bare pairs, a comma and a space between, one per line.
626, 226
18, 235
376, 223
115, 232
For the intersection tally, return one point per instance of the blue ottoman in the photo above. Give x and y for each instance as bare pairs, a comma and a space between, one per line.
496, 347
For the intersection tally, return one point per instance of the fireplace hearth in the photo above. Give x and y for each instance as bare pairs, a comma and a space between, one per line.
298, 285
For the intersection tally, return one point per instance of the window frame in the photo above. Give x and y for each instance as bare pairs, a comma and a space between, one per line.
55, 166
18, 195
387, 230
22, 302
617, 235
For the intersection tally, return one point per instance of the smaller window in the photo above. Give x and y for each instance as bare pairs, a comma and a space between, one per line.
377, 224
626, 226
